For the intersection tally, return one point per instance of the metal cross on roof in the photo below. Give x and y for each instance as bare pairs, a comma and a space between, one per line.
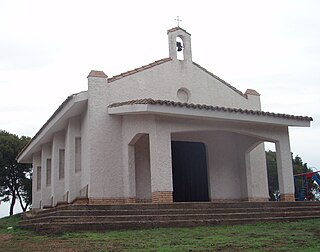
178, 20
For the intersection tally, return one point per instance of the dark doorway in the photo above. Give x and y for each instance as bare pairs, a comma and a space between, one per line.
189, 170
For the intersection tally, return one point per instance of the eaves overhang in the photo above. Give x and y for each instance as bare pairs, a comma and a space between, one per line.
72, 106
206, 112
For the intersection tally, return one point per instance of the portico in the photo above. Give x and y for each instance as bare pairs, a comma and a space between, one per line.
233, 141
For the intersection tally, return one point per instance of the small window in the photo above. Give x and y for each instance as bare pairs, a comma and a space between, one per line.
61, 163
78, 154
38, 178
48, 175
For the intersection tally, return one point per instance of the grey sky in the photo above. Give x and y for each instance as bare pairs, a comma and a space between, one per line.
47, 49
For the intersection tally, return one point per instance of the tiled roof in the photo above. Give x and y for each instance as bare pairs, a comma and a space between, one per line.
97, 74
176, 29
209, 107
136, 70
69, 98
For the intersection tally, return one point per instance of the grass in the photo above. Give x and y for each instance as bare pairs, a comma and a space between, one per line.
287, 236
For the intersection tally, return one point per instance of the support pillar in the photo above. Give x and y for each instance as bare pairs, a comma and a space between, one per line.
256, 172
284, 167
72, 176
161, 166
57, 179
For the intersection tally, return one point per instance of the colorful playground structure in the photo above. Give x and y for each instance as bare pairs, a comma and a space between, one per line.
305, 180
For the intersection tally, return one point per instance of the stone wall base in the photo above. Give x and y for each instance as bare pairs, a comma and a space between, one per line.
130, 200
80, 201
61, 203
162, 197
287, 197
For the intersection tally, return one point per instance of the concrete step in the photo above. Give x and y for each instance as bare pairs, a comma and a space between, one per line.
92, 213
98, 210
137, 218
169, 217
117, 225
150, 215
178, 205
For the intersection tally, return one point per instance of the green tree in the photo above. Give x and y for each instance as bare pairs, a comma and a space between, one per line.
15, 179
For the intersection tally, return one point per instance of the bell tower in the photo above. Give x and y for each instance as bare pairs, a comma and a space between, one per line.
179, 43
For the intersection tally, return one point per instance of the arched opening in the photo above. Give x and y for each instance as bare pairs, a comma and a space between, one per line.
272, 171
180, 48
189, 171
142, 169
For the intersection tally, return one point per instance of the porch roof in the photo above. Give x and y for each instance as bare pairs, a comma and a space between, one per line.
190, 110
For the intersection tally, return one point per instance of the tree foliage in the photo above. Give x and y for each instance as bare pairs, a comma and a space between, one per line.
15, 179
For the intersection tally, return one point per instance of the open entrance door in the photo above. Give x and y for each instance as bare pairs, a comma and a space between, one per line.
189, 170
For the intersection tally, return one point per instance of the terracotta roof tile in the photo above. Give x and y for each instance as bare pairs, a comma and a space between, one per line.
139, 69
209, 107
251, 92
69, 98
176, 29
97, 74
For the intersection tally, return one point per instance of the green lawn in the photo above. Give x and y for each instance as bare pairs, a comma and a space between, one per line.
288, 236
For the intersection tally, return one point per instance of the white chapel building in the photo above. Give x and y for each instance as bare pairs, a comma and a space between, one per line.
169, 131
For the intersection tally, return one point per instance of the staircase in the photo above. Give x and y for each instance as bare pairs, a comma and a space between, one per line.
133, 216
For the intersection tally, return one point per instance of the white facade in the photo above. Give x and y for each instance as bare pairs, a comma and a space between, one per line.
116, 136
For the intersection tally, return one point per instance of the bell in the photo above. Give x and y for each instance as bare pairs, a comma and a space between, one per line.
179, 47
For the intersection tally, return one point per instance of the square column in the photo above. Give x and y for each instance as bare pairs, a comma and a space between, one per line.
284, 167
36, 192
72, 174
58, 145
256, 173
46, 175
161, 166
